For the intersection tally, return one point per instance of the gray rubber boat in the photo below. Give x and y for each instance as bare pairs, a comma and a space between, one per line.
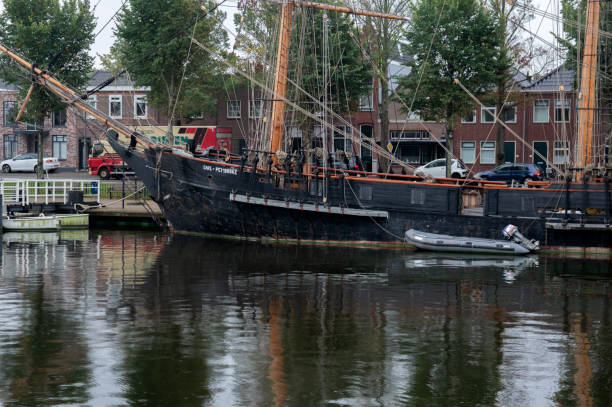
447, 243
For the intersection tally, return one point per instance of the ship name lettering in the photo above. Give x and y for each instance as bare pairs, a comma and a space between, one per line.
221, 170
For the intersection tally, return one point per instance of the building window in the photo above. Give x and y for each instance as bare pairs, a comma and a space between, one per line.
414, 115
540, 111
114, 106
469, 117
342, 142
561, 152
468, 152
487, 152
509, 114
233, 109
93, 102
295, 135
319, 136
560, 117
140, 106
366, 101
10, 146
255, 108
487, 114
60, 147
59, 118
408, 135
9, 113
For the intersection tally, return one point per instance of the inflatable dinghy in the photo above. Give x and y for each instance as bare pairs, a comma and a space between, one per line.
448, 243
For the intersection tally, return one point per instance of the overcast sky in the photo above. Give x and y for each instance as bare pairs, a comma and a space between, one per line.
106, 9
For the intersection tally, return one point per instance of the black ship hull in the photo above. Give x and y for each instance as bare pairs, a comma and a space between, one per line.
208, 197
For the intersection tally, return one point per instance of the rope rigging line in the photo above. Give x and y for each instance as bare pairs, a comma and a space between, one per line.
383, 77
373, 146
471, 95
149, 54
110, 19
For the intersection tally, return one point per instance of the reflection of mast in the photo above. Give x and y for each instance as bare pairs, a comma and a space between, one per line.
276, 371
584, 372
586, 112
282, 61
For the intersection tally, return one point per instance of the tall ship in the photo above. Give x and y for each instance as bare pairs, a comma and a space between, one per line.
270, 195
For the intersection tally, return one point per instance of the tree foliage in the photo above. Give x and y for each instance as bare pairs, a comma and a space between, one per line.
463, 45
153, 44
349, 75
574, 13
54, 35
382, 37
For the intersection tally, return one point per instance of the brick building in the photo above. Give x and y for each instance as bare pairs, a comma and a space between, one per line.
541, 113
59, 139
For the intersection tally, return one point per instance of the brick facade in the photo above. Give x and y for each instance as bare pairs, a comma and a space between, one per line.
412, 140
26, 138
538, 123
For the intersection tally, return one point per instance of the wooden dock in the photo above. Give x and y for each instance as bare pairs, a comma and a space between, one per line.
128, 213
58, 196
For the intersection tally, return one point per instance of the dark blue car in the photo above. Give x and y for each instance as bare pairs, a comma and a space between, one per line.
519, 172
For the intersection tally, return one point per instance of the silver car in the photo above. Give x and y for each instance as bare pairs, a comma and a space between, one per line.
28, 163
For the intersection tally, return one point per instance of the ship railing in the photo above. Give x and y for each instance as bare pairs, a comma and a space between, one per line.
582, 203
28, 191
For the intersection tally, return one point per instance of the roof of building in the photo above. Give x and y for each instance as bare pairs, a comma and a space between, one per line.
100, 76
7, 86
552, 80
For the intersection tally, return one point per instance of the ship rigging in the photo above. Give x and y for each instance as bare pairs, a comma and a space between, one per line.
297, 201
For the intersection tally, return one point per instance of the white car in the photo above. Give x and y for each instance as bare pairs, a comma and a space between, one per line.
437, 169
28, 162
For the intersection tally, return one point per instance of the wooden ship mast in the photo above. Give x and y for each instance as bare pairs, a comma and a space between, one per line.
586, 111
282, 61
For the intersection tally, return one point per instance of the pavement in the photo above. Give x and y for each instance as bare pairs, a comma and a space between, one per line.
71, 174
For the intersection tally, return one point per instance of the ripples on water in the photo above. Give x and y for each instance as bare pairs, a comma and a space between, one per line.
106, 318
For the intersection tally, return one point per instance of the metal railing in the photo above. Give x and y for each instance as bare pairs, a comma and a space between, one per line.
47, 191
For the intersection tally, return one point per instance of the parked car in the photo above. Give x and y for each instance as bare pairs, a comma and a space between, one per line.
520, 172
28, 163
437, 168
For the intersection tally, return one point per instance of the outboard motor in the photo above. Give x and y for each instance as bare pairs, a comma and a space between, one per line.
512, 233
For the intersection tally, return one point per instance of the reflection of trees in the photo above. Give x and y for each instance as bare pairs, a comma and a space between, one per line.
51, 359
215, 322
456, 349
165, 365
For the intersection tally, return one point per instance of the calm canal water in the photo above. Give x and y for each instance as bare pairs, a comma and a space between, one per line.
107, 318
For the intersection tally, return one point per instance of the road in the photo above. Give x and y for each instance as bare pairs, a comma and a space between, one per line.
80, 175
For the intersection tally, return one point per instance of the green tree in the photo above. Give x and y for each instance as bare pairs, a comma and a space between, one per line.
153, 43
56, 36
448, 40
311, 58
574, 15
383, 37
504, 74
332, 71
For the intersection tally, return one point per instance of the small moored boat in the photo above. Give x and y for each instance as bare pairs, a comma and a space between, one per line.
45, 223
436, 242
31, 224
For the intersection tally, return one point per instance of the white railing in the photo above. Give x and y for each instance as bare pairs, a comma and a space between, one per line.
48, 191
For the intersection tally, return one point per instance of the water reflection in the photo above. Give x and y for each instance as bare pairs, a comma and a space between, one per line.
145, 319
